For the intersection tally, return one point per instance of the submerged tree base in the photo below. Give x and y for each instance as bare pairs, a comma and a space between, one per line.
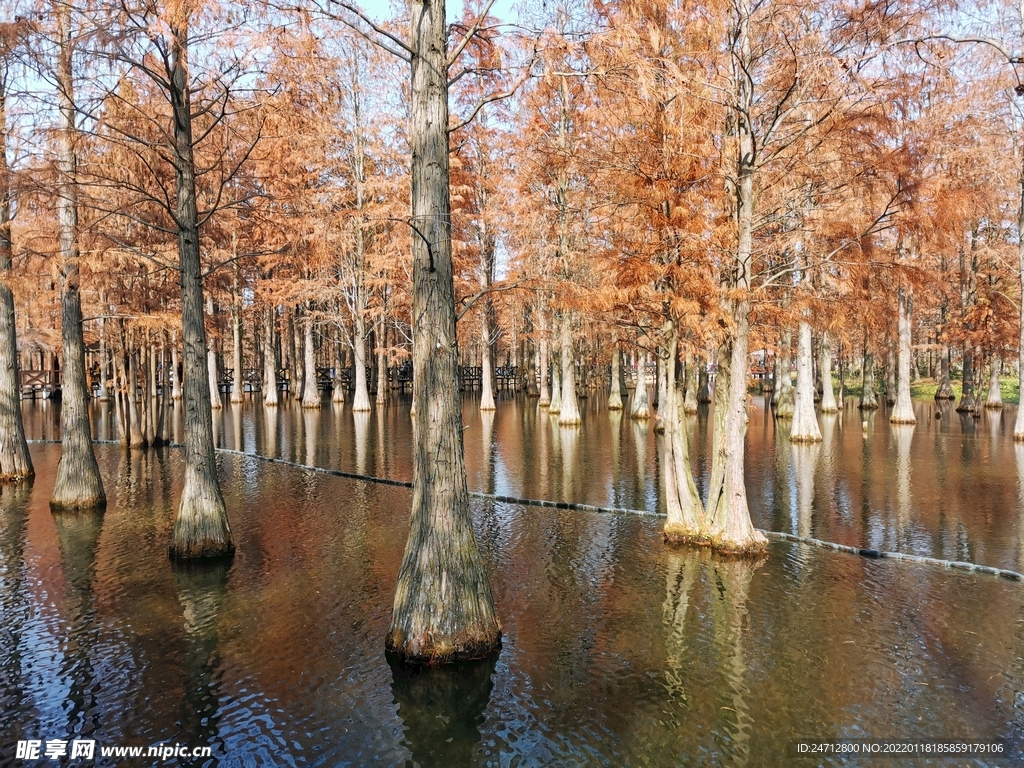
678, 535
205, 550
756, 545
428, 651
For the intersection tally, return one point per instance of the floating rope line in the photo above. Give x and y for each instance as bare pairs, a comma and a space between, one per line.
873, 554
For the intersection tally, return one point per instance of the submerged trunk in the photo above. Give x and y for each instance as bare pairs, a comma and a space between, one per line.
543, 363
78, 484
828, 397
311, 390
486, 365
238, 374
361, 398
269, 359
685, 515
443, 608
890, 376
615, 396
201, 527
995, 395
662, 385
868, 398
782, 398
805, 422
555, 406
570, 411
641, 410
967, 402
944, 391
903, 413
15, 462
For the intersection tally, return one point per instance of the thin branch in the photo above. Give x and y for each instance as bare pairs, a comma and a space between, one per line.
454, 55
471, 300
408, 51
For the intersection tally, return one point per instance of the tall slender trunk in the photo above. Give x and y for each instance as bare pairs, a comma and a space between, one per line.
338, 385
1018, 426
685, 522
690, 397
659, 398
555, 406
729, 525
361, 398
78, 484
968, 400
868, 397
269, 358
903, 413
641, 408
570, 412
175, 363
994, 401
782, 397
615, 396
486, 365
805, 422
382, 369
443, 608
295, 325
201, 527
15, 461
311, 390
890, 375
238, 374
542, 364
828, 395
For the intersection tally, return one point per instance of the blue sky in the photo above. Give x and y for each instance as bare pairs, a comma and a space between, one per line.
380, 9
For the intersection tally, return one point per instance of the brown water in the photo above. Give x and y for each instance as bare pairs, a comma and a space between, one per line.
618, 650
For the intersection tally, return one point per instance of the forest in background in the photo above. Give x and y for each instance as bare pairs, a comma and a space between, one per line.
733, 187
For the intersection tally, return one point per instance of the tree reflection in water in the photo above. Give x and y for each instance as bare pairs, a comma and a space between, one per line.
442, 709
202, 588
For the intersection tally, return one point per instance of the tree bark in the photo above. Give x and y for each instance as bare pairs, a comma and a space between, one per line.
615, 396
569, 415
685, 521
660, 393
443, 608
782, 398
78, 484
555, 406
201, 527
690, 398
805, 422
868, 397
641, 408
311, 391
903, 413
890, 375
828, 395
486, 365
15, 461
968, 402
361, 399
270, 396
542, 364
238, 375
995, 396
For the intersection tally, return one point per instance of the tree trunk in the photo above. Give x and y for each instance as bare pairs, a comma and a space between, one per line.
543, 362
967, 402
338, 385
361, 399
382, 370
570, 412
238, 375
805, 422
703, 384
828, 395
890, 375
486, 365
662, 385
555, 406
15, 461
641, 409
903, 413
995, 395
690, 398
685, 521
270, 396
310, 391
295, 325
176, 378
868, 397
78, 484
136, 439
443, 608
782, 398
944, 391
615, 397
201, 527
214, 376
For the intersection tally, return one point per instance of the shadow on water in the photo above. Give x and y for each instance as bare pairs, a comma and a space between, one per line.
78, 536
442, 709
202, 588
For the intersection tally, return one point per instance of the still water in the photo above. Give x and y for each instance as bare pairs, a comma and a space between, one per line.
617, 650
